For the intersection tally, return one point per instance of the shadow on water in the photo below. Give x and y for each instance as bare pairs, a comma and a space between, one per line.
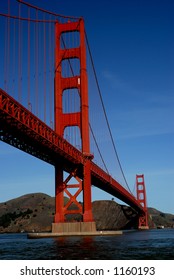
149, 244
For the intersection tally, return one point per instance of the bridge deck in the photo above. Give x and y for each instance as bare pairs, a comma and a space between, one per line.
23, 130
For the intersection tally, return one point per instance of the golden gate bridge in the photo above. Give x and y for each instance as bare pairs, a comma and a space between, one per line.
52, 108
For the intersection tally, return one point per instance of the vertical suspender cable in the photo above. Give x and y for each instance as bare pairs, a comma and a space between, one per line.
5, 54
36, 61
14, 56
19, 55
44, 50
49, 71
29, 101
8, 47
53, 59
50, 81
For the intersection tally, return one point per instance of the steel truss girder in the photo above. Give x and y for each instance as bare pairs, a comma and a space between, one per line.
19, 123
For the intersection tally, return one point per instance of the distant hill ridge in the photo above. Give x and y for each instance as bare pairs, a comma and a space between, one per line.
35, 212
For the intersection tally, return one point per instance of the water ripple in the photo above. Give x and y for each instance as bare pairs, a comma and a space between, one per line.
151, 244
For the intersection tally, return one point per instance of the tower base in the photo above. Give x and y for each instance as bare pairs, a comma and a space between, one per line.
143, 227
73, 227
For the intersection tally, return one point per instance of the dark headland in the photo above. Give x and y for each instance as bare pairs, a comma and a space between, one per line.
35, 213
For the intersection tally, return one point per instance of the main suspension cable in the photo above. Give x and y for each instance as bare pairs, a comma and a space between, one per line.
45, 11
95, 75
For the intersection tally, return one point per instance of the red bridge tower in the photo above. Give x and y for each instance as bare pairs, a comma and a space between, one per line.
64, 54
141, 197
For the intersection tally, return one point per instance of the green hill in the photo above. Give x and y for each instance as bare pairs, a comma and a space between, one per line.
161, 219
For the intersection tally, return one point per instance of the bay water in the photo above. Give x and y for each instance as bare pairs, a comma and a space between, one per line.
156, 244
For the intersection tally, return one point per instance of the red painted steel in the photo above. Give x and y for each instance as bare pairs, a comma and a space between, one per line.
141, 197
19, 126
80, 119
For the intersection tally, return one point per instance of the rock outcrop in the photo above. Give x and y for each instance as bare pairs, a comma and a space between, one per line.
109, 215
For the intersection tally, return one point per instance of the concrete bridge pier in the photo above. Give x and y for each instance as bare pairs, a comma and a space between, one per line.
74, 227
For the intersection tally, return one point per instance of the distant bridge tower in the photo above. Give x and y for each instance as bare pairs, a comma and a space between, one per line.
67, 82
141, 197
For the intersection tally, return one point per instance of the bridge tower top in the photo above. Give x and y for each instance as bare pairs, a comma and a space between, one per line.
75, 79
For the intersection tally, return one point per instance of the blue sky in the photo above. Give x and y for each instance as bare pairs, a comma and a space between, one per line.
132, 44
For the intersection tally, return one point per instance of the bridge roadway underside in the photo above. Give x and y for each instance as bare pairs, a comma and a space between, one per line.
18, 134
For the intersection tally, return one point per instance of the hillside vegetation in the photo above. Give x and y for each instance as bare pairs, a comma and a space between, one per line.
35, 213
